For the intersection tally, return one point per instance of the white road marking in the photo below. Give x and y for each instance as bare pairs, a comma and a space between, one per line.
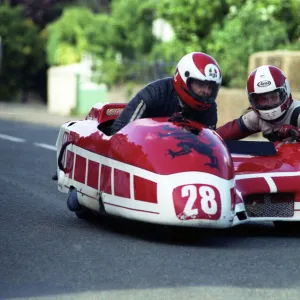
45, 146
11, 138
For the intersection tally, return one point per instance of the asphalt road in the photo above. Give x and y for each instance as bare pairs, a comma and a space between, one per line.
47, 253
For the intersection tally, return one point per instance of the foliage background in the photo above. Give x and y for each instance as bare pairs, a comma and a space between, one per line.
37, 34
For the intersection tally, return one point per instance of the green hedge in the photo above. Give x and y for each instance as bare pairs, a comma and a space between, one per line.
23, 52
125, 49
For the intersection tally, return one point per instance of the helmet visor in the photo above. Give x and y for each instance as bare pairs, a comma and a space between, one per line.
268, 100
203, 91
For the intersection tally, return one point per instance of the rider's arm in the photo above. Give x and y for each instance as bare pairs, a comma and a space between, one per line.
138, 107
240, 128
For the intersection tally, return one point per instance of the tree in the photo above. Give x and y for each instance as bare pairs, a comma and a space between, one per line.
41, 12
67, 36
245, 31
122, 40
192, 20
23, 52
97, 6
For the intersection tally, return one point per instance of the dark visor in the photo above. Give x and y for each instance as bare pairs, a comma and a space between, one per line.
210, 92
256, 100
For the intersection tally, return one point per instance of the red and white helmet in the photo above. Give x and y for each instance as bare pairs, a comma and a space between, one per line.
263, 80
197, 66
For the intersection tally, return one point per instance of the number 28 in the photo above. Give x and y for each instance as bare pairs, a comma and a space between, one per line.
197, 201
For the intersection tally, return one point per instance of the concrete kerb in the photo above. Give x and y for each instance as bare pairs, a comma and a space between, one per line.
33, 113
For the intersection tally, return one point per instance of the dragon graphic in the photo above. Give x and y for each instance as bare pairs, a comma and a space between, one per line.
188, 141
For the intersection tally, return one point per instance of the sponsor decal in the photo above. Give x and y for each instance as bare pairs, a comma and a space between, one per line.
189, 142
212, 72
264, 83
113, 111
197, 201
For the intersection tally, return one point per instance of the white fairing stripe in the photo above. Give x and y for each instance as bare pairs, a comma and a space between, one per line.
272, 185
264, 175
139, 111
263, 74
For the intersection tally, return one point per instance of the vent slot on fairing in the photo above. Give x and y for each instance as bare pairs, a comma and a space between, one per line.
280, 205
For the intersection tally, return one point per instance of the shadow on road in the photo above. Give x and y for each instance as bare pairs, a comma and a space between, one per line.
187, 235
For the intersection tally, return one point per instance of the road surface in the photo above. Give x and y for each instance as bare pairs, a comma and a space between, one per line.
47, 253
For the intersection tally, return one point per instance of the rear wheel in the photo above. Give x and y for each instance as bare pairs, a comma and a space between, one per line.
72, 201
80, 211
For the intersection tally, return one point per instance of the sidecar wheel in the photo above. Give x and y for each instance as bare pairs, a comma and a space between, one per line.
72, 200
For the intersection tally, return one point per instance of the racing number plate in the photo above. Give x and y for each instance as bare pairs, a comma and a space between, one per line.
197, 201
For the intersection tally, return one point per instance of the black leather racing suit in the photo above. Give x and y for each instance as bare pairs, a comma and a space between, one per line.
159, 99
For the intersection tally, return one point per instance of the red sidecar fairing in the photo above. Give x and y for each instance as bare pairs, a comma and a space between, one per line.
268, 187
152, 170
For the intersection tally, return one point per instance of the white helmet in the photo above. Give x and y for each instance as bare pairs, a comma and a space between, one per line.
269, 81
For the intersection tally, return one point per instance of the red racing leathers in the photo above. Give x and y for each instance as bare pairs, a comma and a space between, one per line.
251, 123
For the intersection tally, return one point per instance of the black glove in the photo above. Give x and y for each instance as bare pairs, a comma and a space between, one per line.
287, 131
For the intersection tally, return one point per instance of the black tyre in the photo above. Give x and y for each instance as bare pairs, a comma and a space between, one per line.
72, 201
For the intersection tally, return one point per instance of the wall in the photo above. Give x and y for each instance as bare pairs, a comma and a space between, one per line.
70, 89
62, 89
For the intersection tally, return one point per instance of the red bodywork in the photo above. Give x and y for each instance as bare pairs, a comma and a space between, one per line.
157, 146
177, 150
164, 148
137, 146
286, 162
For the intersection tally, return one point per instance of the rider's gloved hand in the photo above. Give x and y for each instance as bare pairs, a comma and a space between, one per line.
287, 131
177, 117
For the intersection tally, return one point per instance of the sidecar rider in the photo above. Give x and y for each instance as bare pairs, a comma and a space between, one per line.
192, 91
273, 110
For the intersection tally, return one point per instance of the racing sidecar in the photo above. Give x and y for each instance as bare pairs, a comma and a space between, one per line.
174, 173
